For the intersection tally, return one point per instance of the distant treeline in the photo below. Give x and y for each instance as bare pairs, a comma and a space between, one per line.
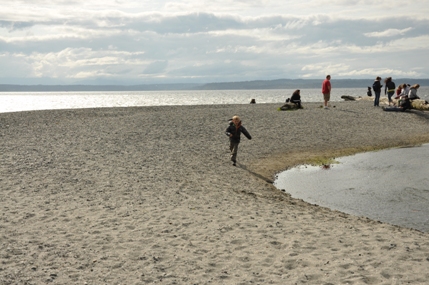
303, 84
242, 85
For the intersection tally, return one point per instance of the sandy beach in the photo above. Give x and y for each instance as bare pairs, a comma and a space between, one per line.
147, 195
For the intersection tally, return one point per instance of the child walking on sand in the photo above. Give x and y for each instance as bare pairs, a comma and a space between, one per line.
233, 131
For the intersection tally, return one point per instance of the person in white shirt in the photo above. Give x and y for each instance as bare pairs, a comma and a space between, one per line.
412, 94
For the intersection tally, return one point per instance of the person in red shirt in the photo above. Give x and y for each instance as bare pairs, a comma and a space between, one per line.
326, 90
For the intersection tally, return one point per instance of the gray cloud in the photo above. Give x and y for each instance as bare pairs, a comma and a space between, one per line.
156, 67
207, 47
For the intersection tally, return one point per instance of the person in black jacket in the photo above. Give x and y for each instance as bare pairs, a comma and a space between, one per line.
389, 90
369, 93
296, 98
376, 86
233, 131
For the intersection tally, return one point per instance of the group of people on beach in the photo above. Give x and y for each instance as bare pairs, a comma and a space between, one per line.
326, 91
235, 128
404, 94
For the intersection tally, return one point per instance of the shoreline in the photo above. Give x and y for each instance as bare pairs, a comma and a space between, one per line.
141, 195
57, 101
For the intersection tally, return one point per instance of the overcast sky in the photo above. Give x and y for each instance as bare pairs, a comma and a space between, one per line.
141, 42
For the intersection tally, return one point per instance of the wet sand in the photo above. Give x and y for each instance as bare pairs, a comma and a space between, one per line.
148, 195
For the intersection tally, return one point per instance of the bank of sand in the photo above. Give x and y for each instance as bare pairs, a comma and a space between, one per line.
148, 195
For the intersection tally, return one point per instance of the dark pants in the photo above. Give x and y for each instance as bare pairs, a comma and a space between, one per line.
233, 147
377, 99
389, 95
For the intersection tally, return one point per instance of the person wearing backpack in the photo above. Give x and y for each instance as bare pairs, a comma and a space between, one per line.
233, 131
376, 86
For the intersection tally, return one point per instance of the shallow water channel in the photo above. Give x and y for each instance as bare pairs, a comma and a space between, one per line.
391, 185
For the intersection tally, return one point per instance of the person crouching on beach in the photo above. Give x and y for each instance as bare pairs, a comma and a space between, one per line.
369, 93
296, 98
233, 131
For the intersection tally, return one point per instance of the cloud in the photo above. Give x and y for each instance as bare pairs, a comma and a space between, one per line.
156, 67
176, 41
388, 33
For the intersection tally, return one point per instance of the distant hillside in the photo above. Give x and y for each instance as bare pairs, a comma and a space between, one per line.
242, 85
302, 84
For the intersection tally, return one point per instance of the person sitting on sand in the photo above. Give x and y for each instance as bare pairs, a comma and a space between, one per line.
404, 105
412, 94
233, 131
405, 89
369, 92
398, 91
296, 98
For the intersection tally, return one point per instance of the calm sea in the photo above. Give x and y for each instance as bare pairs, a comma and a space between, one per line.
25, 101
387, 185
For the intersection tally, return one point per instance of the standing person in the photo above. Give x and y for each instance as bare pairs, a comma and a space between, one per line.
233, 132
326, 91
389, 89
376, 86
296, 98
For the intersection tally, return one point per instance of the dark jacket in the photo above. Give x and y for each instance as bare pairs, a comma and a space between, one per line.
405, 104
295, 97
236, 132
377, 86
390, 87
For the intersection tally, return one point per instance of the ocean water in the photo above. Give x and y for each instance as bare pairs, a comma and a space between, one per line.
25, 101
389, 185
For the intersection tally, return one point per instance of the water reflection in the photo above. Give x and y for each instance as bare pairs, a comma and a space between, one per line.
389, 185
